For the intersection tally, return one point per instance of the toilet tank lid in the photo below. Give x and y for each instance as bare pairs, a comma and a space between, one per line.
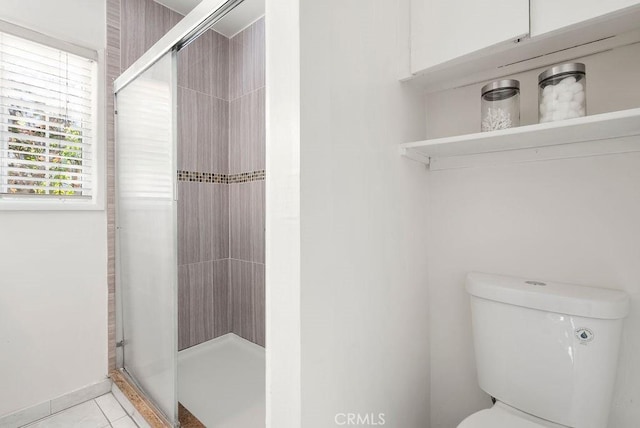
569, 299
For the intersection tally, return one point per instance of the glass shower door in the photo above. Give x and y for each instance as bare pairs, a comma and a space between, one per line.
146, 220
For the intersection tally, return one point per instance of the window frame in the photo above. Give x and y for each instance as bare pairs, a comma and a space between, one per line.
49, 202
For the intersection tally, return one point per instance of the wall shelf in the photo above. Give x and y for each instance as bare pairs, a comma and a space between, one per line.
565, 138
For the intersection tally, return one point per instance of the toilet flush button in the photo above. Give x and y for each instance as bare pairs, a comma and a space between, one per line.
584, 335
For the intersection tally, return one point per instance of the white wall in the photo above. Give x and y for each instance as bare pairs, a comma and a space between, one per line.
53, 291
77, 21
282, 237
565, 220
364, 303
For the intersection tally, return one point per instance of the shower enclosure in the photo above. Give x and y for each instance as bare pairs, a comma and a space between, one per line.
190, 214
147, 225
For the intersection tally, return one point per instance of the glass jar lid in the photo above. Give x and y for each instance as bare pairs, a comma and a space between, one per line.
573, 67
500, 84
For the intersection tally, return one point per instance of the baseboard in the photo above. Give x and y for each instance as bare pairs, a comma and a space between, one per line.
58, 404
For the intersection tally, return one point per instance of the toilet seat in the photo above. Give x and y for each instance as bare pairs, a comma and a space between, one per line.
503, 416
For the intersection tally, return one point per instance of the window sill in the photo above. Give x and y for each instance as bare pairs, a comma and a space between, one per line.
15, 204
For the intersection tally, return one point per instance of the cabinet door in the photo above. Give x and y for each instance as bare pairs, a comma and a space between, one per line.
444, 30
547, 15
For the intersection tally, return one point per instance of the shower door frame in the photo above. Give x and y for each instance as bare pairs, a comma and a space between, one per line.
160, 382
199, 20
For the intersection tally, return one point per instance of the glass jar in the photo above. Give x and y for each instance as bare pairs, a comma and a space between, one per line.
500, 105
562, 93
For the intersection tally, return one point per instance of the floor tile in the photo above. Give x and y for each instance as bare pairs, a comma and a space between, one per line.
125, 422
26, 416
110, 407
122, 399
128, 407
85, 415
140, 420
80, 396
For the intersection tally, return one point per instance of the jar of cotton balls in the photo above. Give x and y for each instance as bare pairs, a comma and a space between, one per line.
562, 93
500, 105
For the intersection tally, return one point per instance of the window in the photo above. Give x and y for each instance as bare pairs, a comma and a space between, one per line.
47, 122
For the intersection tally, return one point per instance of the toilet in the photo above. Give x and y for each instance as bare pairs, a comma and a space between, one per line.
547, 352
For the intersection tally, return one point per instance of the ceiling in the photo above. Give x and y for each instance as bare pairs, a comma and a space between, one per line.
181, 6
235, 21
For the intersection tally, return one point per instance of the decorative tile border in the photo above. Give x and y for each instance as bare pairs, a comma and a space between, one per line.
212, 177
202, 177
246, 177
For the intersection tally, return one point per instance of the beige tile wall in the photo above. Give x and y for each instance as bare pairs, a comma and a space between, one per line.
247, 200
204, 303
203, 131
203, 207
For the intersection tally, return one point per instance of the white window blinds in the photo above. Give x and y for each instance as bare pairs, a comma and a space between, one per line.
46, 121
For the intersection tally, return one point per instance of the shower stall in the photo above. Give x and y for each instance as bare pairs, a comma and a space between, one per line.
190, 170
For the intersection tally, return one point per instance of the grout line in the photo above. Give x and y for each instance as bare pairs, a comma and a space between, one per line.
206, 261
246, 261
203, 93
248, 93
126, 415
229, 308
102, 411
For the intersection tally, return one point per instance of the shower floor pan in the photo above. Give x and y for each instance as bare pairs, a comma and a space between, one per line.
222, 382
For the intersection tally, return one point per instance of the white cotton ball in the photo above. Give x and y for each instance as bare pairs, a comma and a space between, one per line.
571, 114
563, 106
568, 81
565, 96
581, 112
552, 105
576, 87
548, 90
543, 109
578, 96
560, 115
574, 106
545, 118
552, 94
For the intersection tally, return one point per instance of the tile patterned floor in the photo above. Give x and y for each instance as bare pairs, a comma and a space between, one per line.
103, 412
221, 381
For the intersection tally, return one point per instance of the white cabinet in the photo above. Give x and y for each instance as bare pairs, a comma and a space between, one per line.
548, 15
459, 42
444, 30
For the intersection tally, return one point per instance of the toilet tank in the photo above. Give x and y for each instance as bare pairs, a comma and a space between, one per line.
548, 349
